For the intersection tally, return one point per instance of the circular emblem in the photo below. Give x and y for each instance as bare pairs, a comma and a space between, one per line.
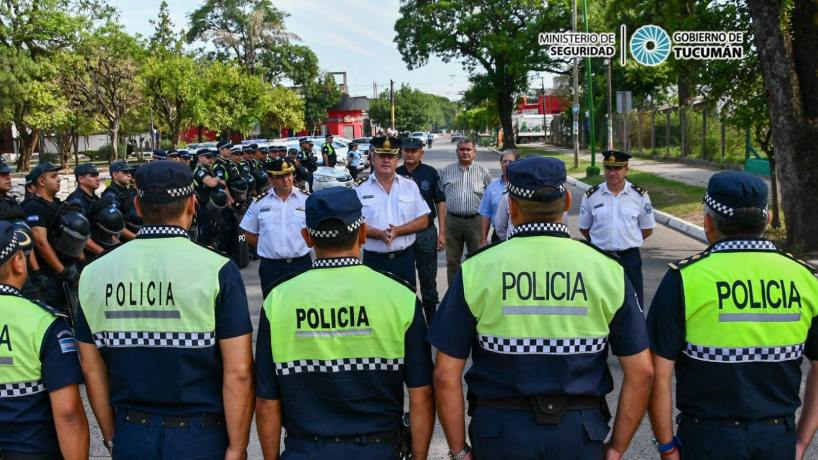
650, 45
424, 185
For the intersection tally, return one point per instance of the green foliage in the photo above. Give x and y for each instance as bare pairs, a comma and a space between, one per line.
173, 86
414, 110
320, 94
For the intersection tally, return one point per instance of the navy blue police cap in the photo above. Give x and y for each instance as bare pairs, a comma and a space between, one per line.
384, 145
336, 203
207, 152
615, 158
527, 178
730, 190
223, 145
184, 154
411, 143
85, 168
173, 153
4, 167
305, 139
263, 149
160, 154
42, 168
248, 149
9, 244
122, 165
164, 182
253, 146
29, 179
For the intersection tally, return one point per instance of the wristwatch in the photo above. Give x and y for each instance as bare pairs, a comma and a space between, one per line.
461, 454
108, 444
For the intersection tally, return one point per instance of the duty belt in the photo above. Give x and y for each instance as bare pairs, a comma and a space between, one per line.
770, 421
549, 409
385, 437
207, 420
464, 216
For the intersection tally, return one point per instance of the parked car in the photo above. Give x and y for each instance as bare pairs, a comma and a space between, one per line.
456, 137
419, 135
327, 177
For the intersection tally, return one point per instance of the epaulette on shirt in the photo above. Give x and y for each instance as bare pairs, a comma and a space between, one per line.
48, 308
488, 246
592, 245
692, 259
591, 190
639, 189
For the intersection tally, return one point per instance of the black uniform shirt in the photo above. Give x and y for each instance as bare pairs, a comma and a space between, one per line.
82, 199
427, 179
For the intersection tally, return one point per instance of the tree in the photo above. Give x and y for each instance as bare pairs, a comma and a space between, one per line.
173, 86
105, 75
31, 34
786, 47
164, 38
495, 38
319, 95
244, 30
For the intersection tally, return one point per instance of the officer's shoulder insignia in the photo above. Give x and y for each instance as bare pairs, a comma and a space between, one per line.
600, 250
48, 308
396, 278
591, 190
639, 189
690, 260
803, 263
484, 248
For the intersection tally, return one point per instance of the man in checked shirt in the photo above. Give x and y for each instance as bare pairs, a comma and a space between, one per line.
463, 183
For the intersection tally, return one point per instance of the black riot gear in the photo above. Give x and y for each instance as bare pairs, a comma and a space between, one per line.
74, 232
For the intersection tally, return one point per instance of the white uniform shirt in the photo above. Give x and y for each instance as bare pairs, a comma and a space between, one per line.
401, 205
278, 225
616, 222
502, 218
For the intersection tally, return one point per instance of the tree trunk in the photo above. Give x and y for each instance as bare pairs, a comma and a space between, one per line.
28, 143
684, 87
115, 140
505, 107
792, 132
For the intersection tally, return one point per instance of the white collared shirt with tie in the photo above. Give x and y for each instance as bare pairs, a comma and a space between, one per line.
616, 222
401, 205
278, 224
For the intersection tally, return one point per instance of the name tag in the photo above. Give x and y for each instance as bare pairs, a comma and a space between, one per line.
599, 205
264, 210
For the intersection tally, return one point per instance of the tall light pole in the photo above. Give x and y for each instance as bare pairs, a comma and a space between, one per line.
574, 111
392, 101
544, 110
610, 110
591, 170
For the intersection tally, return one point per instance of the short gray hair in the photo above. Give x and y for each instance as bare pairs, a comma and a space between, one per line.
465, 141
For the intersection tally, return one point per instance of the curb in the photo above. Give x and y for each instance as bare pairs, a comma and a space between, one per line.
680, 225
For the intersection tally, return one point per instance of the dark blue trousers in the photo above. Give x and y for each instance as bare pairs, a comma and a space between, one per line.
631, 261
135, 441
510, 434
298, 449
271, 270
772, 439
426, 262
400, 264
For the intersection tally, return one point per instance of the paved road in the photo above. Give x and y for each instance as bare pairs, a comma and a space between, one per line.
664, 246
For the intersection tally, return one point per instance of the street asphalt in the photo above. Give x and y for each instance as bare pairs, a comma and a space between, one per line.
666, 245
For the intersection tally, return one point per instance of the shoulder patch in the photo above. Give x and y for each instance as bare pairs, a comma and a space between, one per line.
484, 248
690, 260
591, 190
395, 278
803, 263
639, 189
600, 250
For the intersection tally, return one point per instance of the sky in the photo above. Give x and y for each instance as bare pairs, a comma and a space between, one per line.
353, 36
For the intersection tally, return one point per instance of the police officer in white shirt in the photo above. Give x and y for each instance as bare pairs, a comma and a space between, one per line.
617, 216
273, 226
393, 210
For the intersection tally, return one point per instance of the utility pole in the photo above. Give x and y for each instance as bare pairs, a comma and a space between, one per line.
591, 170
610, 110
544, 111
392, 101
153, 134
575, 124
374, 90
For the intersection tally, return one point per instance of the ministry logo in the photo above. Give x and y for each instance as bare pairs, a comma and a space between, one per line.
650, 45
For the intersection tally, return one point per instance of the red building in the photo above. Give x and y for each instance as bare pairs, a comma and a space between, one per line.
550, 104
346, 119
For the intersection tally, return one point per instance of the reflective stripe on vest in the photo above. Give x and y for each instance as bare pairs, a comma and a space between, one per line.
747, 303
556, 300
153, 292
23, 325
338, 327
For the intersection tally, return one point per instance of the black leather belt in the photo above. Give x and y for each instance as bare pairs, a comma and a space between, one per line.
207, 420
388, 255
464, 216
288, 260
549, 409
771, 421
625, 251
386, 437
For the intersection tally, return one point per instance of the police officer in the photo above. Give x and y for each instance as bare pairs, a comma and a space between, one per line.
332, 359
205, 181
617, 216
273, 226
7, 202
173, 155
306, 159
159, 155
227, 170
328, 152
734, 321
247, 167
541, 311
44, 213
122, 194
432, 240
169, 345
394, 210
354, 160
184, 157
84, 196
42, 415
